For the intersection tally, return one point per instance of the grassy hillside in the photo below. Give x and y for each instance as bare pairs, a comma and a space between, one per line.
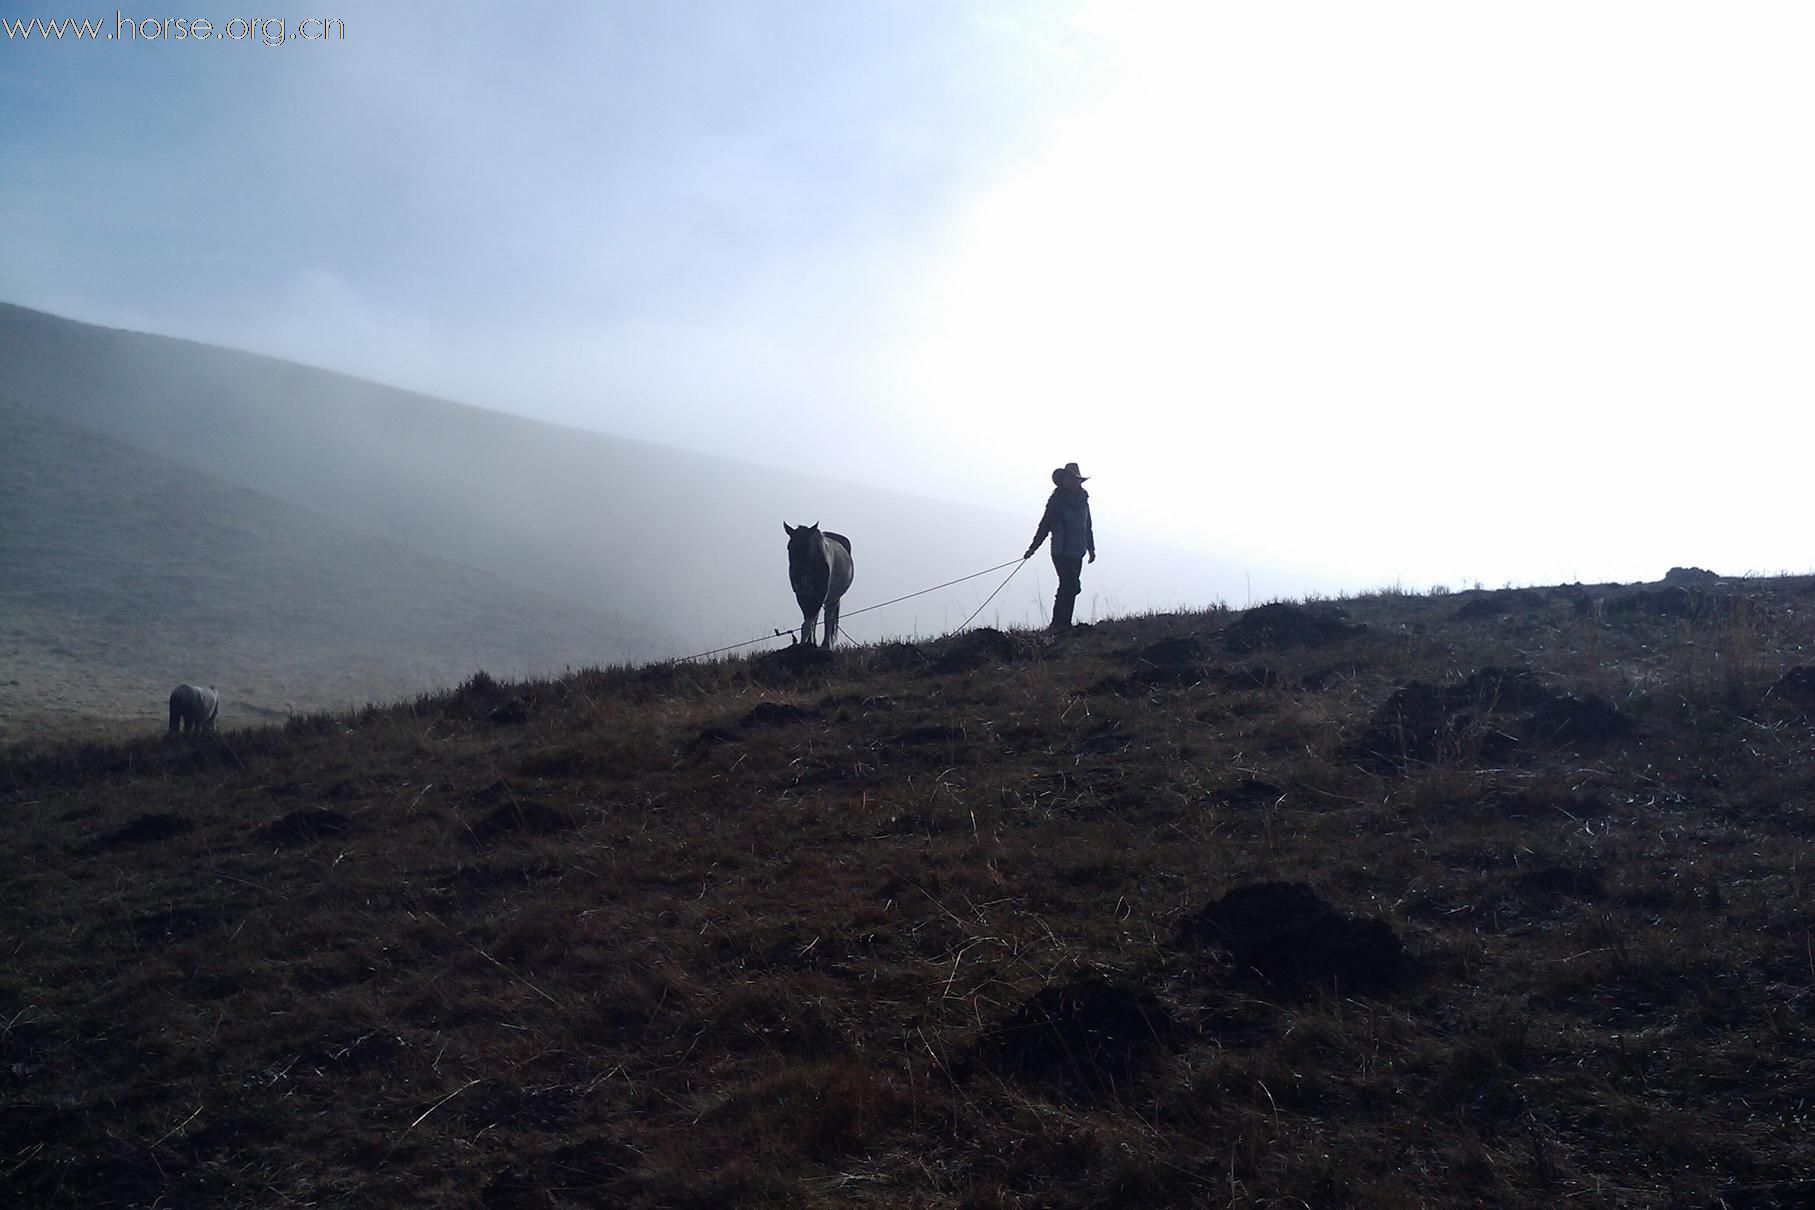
125, 574
1494, 898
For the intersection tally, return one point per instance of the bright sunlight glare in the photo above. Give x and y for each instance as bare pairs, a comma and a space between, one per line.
1411, 291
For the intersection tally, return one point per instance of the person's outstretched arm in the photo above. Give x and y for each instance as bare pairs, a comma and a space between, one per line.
1046, 520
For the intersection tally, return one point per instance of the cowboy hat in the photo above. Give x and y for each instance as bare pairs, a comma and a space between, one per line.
1068, 471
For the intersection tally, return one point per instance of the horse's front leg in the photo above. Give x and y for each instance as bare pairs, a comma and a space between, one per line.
807, 618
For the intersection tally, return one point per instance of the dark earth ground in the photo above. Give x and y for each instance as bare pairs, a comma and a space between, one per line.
1482, 898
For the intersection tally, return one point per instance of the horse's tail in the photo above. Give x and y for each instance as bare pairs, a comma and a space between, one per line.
841, 540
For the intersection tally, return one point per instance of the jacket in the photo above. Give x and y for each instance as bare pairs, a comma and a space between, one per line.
1067, 519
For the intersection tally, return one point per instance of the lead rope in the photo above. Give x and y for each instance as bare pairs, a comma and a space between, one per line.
992, 596
782, 634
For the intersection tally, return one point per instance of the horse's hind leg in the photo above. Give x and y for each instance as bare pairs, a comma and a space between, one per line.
807, 618
831, 621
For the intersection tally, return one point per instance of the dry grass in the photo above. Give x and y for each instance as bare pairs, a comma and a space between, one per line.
953, 924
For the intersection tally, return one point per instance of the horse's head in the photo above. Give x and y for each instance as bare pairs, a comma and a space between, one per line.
803, 542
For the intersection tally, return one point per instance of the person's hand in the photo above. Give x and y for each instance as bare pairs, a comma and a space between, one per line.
1093, 556
1028, 555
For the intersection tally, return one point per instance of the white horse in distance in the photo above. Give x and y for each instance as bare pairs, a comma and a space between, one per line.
193, 708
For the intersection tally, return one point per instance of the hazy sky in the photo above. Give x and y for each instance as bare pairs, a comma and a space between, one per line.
1389, 292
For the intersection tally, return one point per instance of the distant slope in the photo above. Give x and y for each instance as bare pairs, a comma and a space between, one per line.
122, 574
685, 544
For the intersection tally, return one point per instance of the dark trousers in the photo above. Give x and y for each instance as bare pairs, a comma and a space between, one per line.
1070, 569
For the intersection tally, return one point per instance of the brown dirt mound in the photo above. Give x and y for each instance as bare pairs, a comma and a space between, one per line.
1500, 604
1089, 1039
974, 649
146, 829
1178, 660
1576, 597
527, 817
1577, 720
1292, 938
1498, 688
799, 662
899, 657
710, 738
1676, 601
1423, 723
1286, 625
777, 714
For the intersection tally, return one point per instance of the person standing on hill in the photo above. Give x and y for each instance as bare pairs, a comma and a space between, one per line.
1067, 519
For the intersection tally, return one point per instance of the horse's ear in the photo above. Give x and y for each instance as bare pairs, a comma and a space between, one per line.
814, 527
789, 528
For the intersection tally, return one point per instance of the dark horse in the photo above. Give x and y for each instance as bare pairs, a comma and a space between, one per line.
819, 567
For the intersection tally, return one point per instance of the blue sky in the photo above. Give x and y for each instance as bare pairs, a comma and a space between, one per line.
1403, 292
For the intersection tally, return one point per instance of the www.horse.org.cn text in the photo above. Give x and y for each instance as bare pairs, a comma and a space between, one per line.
267, 31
